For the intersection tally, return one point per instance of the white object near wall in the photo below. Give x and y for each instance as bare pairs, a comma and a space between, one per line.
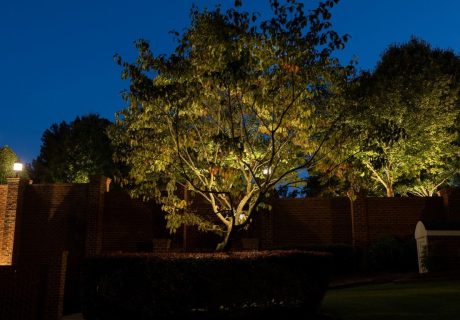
422, 235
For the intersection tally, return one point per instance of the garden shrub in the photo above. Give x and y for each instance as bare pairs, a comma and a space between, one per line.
392, 254
148, 286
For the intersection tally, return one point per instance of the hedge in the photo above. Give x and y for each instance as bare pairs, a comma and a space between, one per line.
148, 286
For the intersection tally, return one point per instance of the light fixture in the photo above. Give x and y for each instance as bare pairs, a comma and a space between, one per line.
267, 171
17, 167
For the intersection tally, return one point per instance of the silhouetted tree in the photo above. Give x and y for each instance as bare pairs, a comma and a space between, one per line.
71, 152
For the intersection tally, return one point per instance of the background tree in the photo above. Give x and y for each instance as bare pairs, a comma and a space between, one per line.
404, 120
71, 152
7, 159
240, 107
338, 172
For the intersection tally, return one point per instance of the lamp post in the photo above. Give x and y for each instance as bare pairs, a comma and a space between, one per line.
17, 168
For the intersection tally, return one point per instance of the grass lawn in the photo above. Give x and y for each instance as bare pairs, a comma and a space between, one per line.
394, 301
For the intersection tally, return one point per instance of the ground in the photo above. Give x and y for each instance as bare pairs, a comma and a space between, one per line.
394, 297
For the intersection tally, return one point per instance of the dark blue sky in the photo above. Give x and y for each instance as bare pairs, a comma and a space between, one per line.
56, 56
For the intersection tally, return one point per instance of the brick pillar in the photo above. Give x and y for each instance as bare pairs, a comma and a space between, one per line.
451, 199
359, 220
3, 196
98, 186
11, 220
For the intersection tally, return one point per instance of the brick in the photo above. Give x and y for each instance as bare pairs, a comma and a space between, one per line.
58, 224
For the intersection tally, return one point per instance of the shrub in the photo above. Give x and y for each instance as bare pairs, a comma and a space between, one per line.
393, 255
147, 286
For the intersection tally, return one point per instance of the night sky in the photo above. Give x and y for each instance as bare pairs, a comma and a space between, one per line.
56, 57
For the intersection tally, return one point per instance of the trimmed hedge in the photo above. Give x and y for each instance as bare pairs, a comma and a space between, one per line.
147, 286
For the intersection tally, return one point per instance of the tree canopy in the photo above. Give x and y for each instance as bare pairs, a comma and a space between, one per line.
240, 106
404, 122
72, 152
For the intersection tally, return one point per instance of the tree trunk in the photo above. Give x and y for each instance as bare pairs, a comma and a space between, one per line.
390, 192
352, 197
227, 241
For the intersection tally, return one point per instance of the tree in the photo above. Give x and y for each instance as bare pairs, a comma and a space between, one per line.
338, 172
72, 152
408, 108
7, 159
240, 107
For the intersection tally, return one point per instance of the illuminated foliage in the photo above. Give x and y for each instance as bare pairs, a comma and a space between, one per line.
239, 107
7, 159
409, 106
401, 127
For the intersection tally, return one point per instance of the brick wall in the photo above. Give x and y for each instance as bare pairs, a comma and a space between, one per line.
128, 223
376, 217
97, 189
451, 198
303, 222
124, 224
53, 232
50, 223
445, 250
57, 225
53, 220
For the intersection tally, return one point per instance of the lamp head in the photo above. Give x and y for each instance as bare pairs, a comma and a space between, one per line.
17, 167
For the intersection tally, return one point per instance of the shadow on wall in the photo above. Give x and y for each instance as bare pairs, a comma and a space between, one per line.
303, 222
53, 235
